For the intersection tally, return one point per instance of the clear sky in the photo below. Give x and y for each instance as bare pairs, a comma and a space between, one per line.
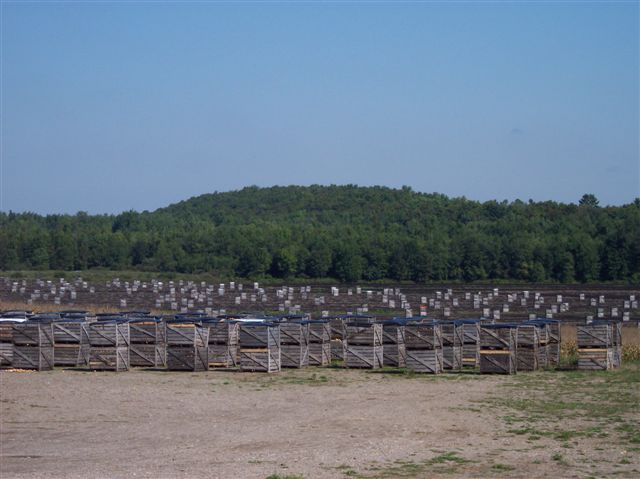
113, 106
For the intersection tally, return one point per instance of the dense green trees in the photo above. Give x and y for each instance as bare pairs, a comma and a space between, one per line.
345, 232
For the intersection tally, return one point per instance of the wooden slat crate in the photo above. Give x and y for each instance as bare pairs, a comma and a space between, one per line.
595, 335
498, 336
6, 342
596, 359
394, 351
452, 340
294, 332
452, 357
425, 360
338, 349
294, 355
148, 342
319, 354
33, 346
617, 344
498, 348
6, 354
223, 343
319, 343
553, 349
260, 347
294, 344
68, 354
337, 327
363, 345
67, 336
108, 345
187, 346
423, 335
471, 343
497, 361
527, 358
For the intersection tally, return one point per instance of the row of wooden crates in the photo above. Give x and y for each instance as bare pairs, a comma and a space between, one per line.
599, 345
419, 345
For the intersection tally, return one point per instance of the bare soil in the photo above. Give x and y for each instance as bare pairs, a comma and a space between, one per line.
315, 423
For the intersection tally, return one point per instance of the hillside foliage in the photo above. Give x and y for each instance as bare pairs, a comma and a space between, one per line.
348, 232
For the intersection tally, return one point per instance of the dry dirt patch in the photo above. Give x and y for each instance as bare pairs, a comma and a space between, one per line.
320, 423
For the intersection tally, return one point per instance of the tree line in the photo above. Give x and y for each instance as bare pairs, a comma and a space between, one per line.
349, 233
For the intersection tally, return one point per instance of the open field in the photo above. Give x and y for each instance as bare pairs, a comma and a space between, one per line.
320, 423
503, 302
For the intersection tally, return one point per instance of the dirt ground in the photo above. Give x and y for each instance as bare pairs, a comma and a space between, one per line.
314, 423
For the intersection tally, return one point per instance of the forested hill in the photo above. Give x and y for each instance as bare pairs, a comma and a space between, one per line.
346, 232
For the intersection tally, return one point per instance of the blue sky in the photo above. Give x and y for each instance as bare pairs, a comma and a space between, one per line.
114, 106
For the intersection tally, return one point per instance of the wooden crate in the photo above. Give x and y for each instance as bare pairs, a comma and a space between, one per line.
187, 346
260, 347
394, 350
596, 359
498, 336
294, 332
33, 334
452, 341
470, 343
338, 349
68, 355
337, 331
363, 347
527, 358
498, 348
6, 342
423, 335
108, 345
223, 343
595, 335
529, 345
495, 361
33, 346
452, 357
148, 342
67, 336
617, 344
319, 354
425, 360
319, 343
6, 354
294, 355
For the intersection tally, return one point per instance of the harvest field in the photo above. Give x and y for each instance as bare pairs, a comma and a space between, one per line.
320, 423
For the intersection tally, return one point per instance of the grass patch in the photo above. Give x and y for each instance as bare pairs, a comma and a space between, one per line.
569, 405
502, 467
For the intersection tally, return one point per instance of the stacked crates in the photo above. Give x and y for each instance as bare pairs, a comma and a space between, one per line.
33, 345
105, 345
393, 347
423, 345
498, 347
148, 342
528, 347
452, 341
319, 342
363, 345
294, 343
223, 342
597, 345
470, 342
260, 346
67, 336
187, 345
